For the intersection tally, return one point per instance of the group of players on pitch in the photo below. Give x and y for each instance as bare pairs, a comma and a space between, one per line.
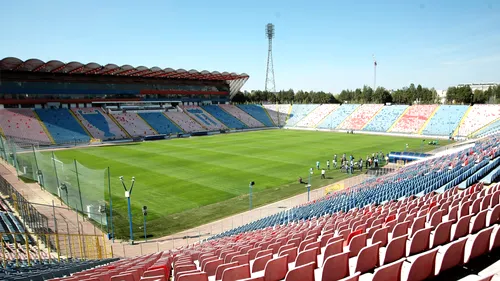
350, 165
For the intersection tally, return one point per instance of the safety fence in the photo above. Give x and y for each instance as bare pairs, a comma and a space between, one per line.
29, 246
76, 185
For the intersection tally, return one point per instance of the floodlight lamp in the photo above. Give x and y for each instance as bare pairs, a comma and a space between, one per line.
133, 178
252, 183
121, 178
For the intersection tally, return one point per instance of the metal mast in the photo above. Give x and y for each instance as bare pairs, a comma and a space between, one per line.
374, 73
270, 84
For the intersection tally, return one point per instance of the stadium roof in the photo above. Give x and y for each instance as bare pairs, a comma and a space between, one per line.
234, 80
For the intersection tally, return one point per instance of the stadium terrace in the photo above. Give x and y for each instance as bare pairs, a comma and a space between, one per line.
66, 216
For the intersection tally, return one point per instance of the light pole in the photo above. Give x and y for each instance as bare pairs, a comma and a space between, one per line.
309, 183
145, 214
252, 183
128, 193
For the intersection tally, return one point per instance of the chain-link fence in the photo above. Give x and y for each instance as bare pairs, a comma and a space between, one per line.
76, 185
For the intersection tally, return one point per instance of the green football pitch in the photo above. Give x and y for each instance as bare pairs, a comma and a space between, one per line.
189, 182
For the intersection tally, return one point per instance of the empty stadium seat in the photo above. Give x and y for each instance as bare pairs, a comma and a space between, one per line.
228, 119
385, 118
358, 119
160, 123
445, 120
278, 113
205, 119
479, 116
243, 116
299, 112
22, 124
62, 125
257, 112
98, 123
133, 124
334, 119
413, 119
184, 121
317, 115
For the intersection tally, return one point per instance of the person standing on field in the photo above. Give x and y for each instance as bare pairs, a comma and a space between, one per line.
317, 165
323, 174
328, 164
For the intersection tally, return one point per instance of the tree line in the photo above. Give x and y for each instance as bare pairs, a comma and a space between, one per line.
406, 95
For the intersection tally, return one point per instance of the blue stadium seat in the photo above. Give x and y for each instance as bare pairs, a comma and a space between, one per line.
385, 118
62, 125
335, 118
299, 111
229, 120
257, 112
445, 120
160, 123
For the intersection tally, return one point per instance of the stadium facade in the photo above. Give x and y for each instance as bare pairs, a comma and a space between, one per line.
38, 84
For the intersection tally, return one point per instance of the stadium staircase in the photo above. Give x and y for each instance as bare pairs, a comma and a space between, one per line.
319, 113
399, 118
373, 117
270, 118
242, 115
177, 125
347, 117
160, 123
118, 124
44, 128
223, 116
80, 122
428, 120
455, 133
257, 112
63, 125
484, 127
149, 125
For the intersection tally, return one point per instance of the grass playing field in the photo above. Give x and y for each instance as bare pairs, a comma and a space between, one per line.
189, 182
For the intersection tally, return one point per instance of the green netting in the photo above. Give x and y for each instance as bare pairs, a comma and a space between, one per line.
26, 162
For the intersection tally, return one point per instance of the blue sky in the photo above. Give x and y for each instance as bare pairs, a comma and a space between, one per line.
319, 45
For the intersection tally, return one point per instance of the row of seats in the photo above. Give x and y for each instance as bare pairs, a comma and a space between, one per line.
229, 120
299, 112
246, 118
479, 116
278, 113
62, 125
160, 123
257, 112
317, 115
22, 124
334, 119
445, 120
410, 239
492, 128
413, 119
205, 119
98, 123
186, 123
133, 124
358, 119
386, 117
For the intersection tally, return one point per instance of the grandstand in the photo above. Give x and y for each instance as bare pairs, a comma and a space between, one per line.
383, 121
413, 119
360, 117
334, 119
427, 219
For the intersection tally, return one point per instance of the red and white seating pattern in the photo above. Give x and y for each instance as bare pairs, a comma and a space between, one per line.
186, 123
156, 267
211, 124
278, 112
358, 119
22, 124
479, 116
133, 124
317, 115
93, 130
411, 239
241, 115
413, 120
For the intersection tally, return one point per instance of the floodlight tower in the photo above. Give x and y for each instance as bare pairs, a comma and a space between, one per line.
374, 73
270, 85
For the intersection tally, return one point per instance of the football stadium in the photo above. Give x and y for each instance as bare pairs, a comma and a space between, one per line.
106, 165
115, 169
